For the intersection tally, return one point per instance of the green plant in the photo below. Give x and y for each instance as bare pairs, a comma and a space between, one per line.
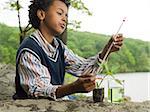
107, 72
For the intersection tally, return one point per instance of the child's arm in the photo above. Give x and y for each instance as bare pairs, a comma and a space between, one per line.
83, 84
35, 79
79, 66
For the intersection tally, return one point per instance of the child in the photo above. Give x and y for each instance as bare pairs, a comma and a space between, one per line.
43, 59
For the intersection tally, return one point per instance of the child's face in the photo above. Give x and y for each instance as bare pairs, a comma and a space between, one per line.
56, 17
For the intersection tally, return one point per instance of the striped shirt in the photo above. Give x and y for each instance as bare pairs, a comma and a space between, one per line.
35, 78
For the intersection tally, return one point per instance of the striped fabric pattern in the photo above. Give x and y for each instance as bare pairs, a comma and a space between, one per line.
35, 77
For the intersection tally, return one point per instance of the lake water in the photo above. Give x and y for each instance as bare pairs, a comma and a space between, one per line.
136, 86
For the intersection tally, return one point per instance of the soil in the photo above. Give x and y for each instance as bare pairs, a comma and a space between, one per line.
7, 75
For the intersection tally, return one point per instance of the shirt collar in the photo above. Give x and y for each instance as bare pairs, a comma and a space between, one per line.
44, 43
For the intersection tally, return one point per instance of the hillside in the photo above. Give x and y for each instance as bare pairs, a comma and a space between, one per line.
133, 57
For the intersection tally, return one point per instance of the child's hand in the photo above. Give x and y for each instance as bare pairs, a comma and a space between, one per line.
85, 83
117, 42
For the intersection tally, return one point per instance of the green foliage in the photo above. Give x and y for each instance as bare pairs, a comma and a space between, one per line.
79, 5
133, 57
107, 72
85, 44
9, 41
16, 5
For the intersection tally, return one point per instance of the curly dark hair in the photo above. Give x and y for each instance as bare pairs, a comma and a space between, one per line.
42, 5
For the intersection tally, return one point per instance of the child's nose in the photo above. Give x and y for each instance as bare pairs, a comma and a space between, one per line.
64, 19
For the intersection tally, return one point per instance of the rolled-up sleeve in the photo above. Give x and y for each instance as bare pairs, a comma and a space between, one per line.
35, 77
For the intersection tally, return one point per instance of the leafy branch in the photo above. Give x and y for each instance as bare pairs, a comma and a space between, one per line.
107, 72
79, 5
15, 5
76, 4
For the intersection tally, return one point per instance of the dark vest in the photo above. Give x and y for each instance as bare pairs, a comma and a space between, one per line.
56, 69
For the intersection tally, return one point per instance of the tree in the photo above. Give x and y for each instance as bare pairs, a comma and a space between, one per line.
15, 5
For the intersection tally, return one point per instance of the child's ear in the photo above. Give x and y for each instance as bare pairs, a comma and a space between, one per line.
41, 14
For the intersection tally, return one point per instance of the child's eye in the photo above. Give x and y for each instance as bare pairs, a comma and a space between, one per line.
59, 13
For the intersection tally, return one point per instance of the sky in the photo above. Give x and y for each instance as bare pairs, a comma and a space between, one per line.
106, 19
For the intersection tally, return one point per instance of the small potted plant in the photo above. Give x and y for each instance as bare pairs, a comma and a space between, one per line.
98, 92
